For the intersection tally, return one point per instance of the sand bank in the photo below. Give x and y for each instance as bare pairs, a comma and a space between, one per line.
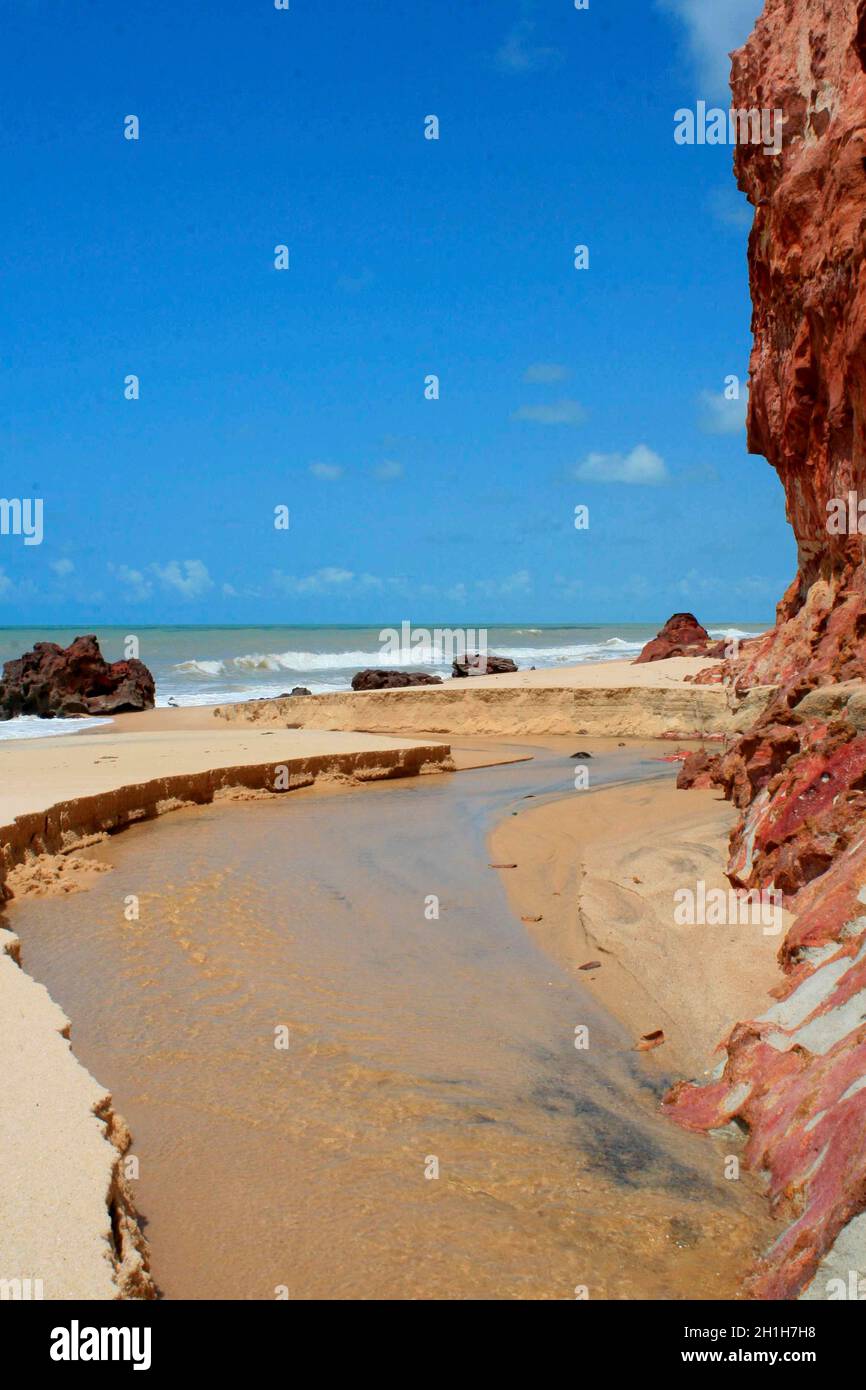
410, 1036
600, 869
55, 793
607, 699
59, 1132
67, 1224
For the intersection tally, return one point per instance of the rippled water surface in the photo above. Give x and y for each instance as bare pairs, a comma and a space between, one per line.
413, 1044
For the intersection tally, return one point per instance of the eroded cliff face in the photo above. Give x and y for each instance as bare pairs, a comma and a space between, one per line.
807, 406
797, 1074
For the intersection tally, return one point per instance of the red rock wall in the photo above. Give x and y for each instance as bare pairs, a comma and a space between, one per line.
797, 1075
807, 406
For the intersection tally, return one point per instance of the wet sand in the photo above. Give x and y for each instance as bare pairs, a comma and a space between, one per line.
410, 1040
602, 880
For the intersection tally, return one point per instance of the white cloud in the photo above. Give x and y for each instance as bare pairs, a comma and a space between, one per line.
188, 578
642, 465
62, 567
22, 591
713, 29
137, 586
387, 470
544, 373
331, 574
564, 412
330, 577
721, 416
329, 472
518, 53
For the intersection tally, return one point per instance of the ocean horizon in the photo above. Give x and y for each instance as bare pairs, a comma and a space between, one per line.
210, 665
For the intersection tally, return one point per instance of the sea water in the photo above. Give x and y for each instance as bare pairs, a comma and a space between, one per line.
215, 665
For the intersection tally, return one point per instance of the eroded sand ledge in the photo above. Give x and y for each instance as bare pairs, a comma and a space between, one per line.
67, 1217
58, 793
613, 699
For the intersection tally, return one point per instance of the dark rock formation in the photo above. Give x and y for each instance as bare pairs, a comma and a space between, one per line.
796, 1075
53, 682
300, 690
477, 664
375, 679
682, 635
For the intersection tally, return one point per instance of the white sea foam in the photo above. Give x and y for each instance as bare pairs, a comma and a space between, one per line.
201, 668
577, 655
31, 726
179, 694
312, 661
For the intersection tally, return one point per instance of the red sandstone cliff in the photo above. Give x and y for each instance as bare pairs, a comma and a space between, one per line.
797, 1075
807, 405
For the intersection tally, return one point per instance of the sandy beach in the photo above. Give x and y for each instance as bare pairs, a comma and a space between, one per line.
589, 883
610, 699
602, 883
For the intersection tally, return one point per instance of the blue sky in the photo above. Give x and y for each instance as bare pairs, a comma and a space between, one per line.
305, 387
